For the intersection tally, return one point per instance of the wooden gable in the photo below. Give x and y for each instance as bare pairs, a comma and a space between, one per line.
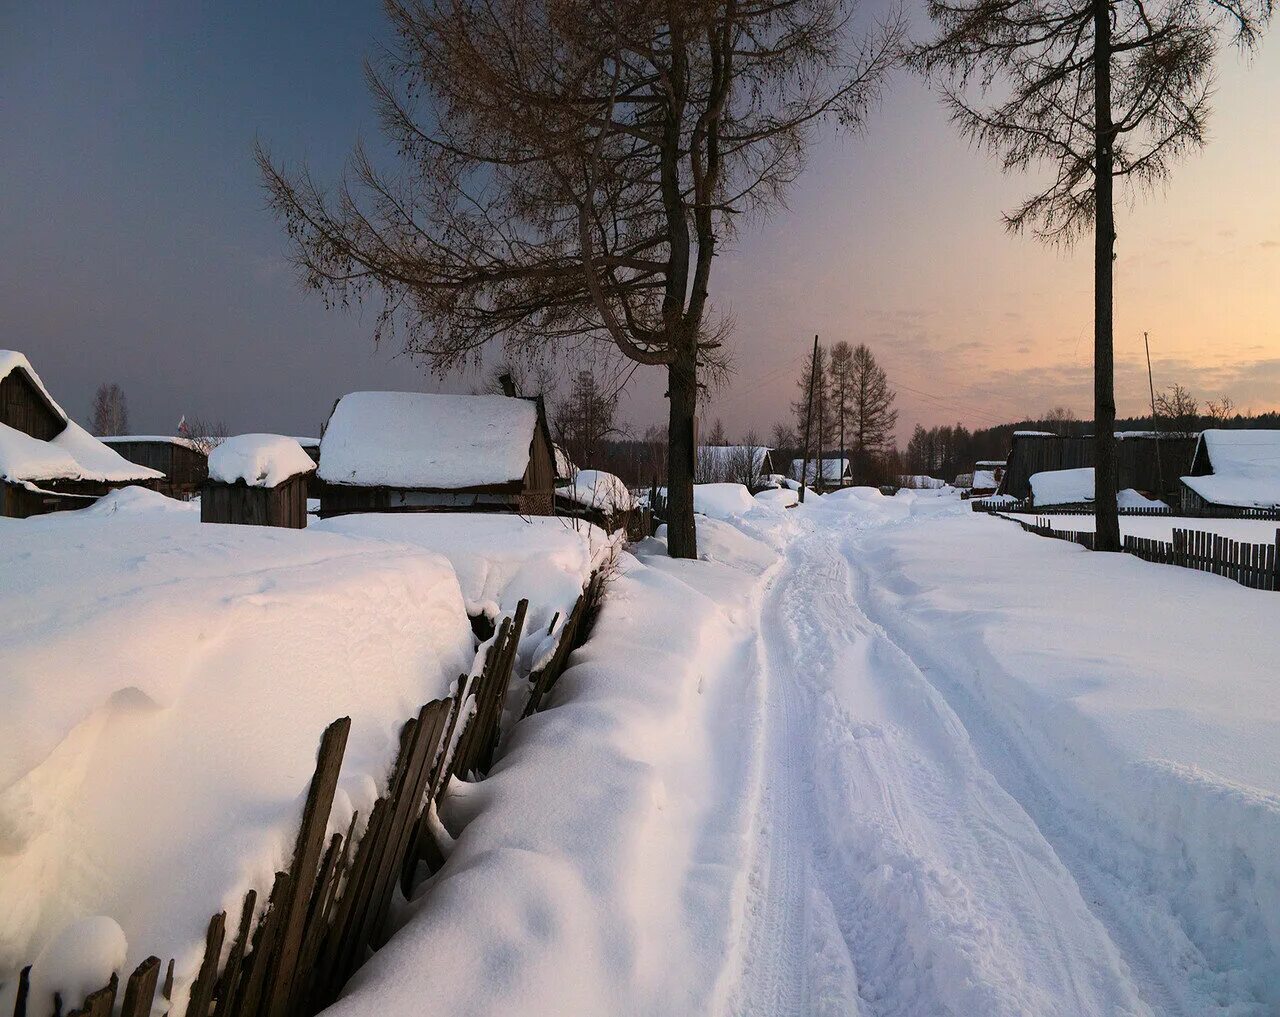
24, 407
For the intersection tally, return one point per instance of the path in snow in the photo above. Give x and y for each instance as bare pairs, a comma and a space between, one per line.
892, 874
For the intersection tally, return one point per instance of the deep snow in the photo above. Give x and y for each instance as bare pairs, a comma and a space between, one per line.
869, 756
878, 756
164, 687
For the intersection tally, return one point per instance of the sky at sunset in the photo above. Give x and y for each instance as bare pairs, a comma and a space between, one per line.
134, 246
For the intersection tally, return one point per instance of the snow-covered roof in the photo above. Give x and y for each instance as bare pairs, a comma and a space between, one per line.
425, 440
832, 470
307, 442
1060, 487
260, 460
169, 439
598, 490
985, 480
1246, 468
990, 463
1034, 434
73, 454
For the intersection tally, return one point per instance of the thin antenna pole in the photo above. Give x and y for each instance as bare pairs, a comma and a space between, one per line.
1151, 385
808, 418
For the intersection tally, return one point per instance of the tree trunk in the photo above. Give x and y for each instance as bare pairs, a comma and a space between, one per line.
1107, 527
682, 387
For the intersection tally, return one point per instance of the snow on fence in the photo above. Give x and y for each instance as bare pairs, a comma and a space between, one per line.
330, 908
1256, 566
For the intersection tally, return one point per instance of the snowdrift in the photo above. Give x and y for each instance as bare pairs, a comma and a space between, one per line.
164, 688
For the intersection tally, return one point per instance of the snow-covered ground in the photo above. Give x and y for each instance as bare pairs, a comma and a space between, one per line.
165, 684
871, 756
875, 756
163, 691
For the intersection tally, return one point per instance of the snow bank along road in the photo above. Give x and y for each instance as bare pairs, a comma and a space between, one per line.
878, 757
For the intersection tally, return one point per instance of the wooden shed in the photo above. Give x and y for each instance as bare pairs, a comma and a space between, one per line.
48, 462
184, 464
1234, 472
425, 452
1146, 462
257, 480
833, 473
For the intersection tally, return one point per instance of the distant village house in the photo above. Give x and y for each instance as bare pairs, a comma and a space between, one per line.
1233, 472
48, 462
422, 452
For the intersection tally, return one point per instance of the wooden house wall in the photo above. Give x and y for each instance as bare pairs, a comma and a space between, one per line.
1136, 462
283, 505
185, 469
19, 502
537, 497
24, 407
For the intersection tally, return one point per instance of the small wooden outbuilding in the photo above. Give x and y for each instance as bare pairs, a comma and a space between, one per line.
426, 452
48, 462
823, 475
257, 480
1234, 472
183, 462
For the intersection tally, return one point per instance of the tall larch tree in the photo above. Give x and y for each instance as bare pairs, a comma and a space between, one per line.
1099, 91
567, 171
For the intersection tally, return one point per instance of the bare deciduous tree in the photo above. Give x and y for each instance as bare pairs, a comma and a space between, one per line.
204, 434
809, 406
746, 462
1219, 411
584, 420
1061, 420
569, 169
110, 410
1100, 90
873, 417
841, 387
1178, 412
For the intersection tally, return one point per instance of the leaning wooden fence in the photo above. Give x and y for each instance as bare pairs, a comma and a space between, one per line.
1254, 565
291, 954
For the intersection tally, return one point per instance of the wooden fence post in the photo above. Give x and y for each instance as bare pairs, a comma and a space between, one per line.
304, 868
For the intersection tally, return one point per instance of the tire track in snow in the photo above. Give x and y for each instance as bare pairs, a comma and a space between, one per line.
1162, 962
884, 853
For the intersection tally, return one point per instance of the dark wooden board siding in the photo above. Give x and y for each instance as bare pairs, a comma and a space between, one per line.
24, 407
1137, 464
283, 505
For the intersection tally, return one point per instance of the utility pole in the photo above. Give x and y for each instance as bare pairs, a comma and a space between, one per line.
808, 418
1154, 426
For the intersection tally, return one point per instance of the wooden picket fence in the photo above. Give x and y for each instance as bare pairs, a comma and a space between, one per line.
1254, 565
292, 957
1211, 512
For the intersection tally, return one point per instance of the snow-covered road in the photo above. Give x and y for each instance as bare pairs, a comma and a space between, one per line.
893, 874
